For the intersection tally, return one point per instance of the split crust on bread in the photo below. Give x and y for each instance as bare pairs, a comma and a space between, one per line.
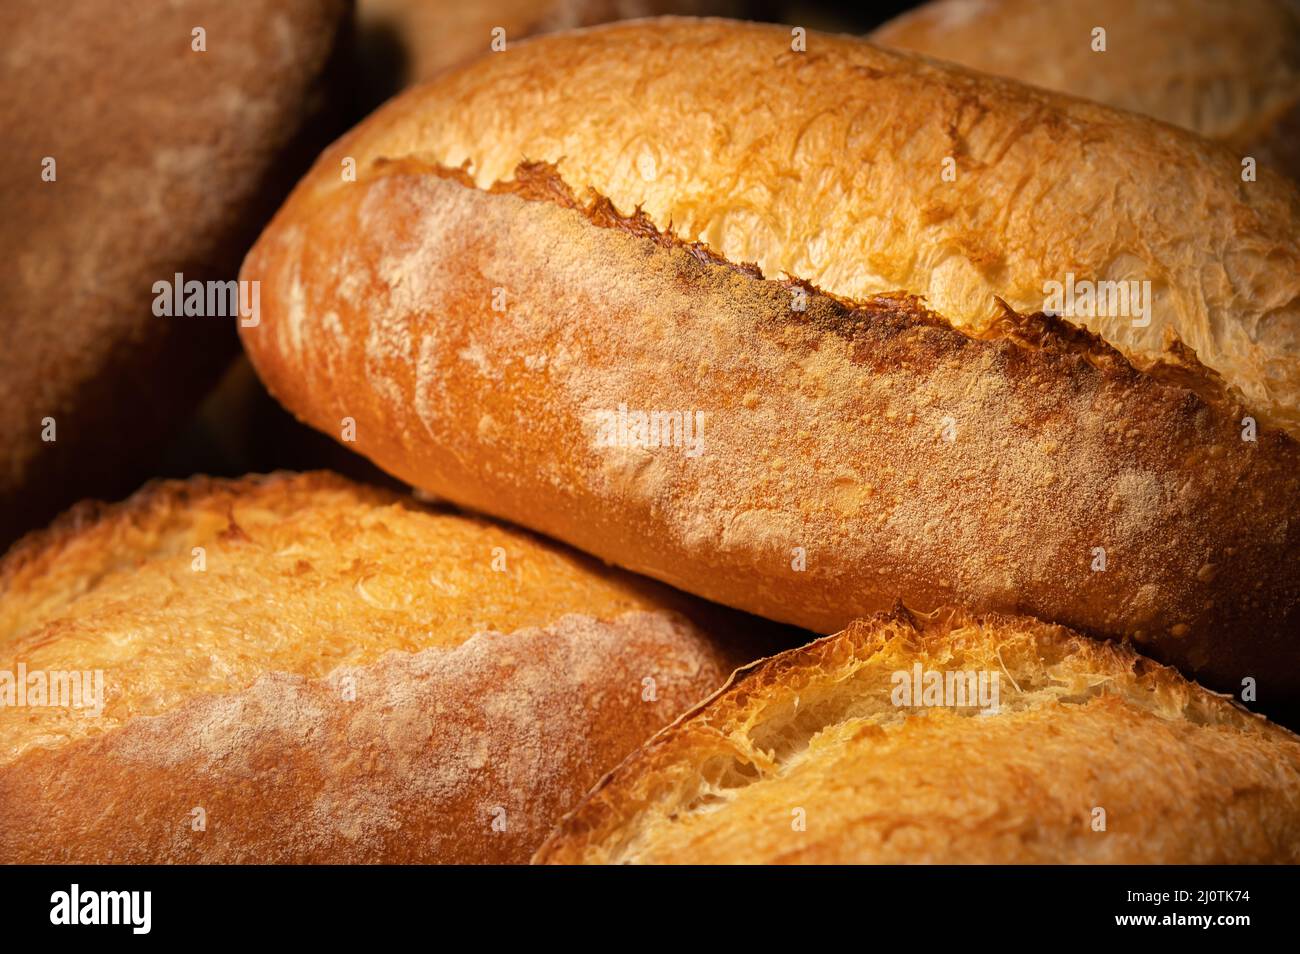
1093, 755
870, 171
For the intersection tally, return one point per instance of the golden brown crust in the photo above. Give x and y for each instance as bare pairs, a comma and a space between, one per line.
1229, 71
832, 165
461, 755
49, 568
227, 617
899, 456
806, 758
166, 160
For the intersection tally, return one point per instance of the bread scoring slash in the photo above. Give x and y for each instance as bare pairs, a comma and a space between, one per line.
1090, 755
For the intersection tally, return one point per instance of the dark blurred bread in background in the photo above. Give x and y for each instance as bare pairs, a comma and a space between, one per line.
166, 159
402, 42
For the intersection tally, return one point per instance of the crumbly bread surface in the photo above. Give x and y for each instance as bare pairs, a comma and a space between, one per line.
1229, 71
1094, 755
488, 669
852, 453
829, 165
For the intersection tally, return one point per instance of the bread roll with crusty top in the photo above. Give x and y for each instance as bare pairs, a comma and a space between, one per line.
842, 454
1079, 752
866, 170
1229, 71
297, 668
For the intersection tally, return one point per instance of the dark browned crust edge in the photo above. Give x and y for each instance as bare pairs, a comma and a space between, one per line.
1178, 367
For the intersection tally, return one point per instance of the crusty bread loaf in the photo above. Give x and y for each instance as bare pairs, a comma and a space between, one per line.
165, 160
849, 454
820, 755
321, 671
1229, 71
867, 171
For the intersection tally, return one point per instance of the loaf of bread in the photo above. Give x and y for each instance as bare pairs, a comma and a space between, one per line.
862, 748
868, 171
130, 156
565, 362
297, 668
1229, 71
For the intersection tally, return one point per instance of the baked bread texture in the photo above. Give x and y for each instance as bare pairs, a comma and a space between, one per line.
869, 171
810, 459
130, 157
1229, 71
297, 668
1092, 754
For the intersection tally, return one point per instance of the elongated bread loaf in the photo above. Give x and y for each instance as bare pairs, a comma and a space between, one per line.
822, 463
954, 739
868, 171
297, 668
1229, 71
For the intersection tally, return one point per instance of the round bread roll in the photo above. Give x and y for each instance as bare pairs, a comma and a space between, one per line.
297, 668
132, 156
1229, 71
558, 357
952, 739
